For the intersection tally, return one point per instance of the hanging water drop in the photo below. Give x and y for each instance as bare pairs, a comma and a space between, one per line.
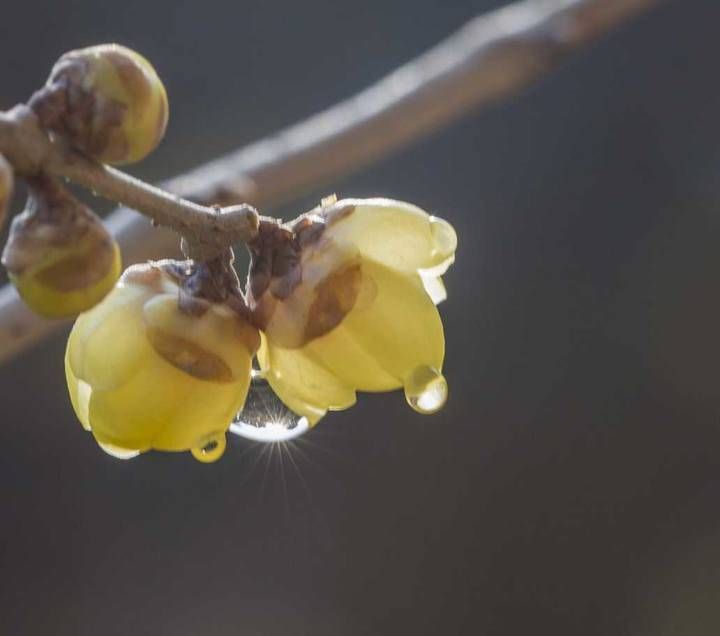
211, 449
265, 418
426, 390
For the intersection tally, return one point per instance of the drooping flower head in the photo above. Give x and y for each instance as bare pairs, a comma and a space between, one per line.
156, 367
346, 301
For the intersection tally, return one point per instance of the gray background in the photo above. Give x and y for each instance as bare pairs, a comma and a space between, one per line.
571, 484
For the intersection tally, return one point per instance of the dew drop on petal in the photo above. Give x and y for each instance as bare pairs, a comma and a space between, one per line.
265, 418
117, 452
211, 449
426, 390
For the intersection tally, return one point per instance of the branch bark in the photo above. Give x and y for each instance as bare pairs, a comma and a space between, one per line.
30, 151
491, 58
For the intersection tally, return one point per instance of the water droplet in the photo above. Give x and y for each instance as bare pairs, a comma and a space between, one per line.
117, 452
265, 418
426, 390
211, 449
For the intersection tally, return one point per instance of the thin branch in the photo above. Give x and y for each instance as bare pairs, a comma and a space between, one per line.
30, 150
491, 58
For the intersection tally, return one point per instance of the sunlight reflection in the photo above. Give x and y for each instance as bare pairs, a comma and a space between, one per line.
265, 418
271, 431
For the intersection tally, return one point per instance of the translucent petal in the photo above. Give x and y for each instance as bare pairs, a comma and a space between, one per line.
80, 393
399, 331
350, 361
302, 383
290, 316
108, 344
113, 330
375, 348
218, 331
164, 408
435, 288
394, 233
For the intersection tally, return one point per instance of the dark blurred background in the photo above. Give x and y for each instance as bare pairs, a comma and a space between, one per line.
569, 487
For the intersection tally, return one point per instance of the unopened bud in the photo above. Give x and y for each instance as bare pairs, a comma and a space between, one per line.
107, 101
59, 255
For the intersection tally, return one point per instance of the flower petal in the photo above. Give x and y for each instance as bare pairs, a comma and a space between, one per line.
399, 331
302, 383
394, 233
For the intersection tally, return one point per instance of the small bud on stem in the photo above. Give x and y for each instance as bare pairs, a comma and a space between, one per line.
59, 255
106, 101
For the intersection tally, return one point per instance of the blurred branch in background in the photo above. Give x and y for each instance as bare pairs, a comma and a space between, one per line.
492, 57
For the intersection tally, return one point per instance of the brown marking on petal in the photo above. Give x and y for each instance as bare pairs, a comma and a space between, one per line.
89, 118
132, 75
106, 138
335, 296
59, 237
189, 357
79, 271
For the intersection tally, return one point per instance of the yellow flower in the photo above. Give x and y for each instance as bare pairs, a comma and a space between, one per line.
149, 368
353, 306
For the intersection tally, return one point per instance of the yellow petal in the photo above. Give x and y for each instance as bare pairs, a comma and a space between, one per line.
79, 395
304, 385
164, 408
137, 369
394, 233
375, 347
111, 331
218, 331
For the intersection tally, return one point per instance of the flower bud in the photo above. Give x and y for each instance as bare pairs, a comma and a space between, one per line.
59, 255
107, 101
149, 368
6, 188
348, 304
